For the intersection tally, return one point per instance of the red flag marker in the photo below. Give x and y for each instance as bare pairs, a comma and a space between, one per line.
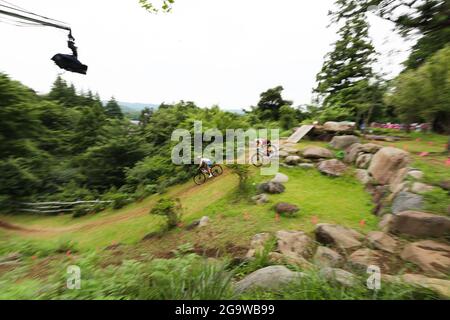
424, 154
33, 257
447, 162
68, 253
277, 217
362, 223
314, 220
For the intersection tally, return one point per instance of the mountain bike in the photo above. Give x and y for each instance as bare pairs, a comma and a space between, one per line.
202, 174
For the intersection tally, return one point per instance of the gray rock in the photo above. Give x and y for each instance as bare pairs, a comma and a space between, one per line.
363, 258
342, 142
339, 236
283, 154
420, 224
363, 160
261, 198
363, 176
334, 168
386, 163
326, 257
269, 278
294, 243
292, 160
204, 221
257, 244
421, 188
306, 165
405, 201
280, 178
352, 152
370, 148
343, 126
431, 256
317, 153
382, 241
416, 174
271, 188
386, 222
340, 276
286, 208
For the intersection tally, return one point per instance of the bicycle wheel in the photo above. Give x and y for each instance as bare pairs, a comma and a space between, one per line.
216, 170
259, 160
199, 178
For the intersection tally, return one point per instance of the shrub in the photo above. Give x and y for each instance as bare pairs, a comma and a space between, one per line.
171, 209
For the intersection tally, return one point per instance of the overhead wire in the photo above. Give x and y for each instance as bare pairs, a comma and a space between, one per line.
15, 7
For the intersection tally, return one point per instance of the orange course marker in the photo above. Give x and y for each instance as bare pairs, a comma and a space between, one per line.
277, 217
362, 223
447, 162
314, 220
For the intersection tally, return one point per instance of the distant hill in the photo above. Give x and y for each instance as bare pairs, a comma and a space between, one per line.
136, 106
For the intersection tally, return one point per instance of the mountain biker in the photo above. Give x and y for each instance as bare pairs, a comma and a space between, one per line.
264, 143
206, 164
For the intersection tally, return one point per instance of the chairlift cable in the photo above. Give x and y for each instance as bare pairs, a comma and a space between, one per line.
27, 12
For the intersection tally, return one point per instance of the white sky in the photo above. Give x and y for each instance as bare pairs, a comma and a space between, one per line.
223, 52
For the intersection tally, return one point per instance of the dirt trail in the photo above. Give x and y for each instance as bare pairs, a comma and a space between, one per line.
185, 192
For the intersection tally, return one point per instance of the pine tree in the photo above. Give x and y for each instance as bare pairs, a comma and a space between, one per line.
112, 109
344, 81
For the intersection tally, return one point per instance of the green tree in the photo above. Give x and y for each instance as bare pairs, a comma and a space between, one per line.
426, 21
424, 94
288, 117
270, 103
344, 83
113, 110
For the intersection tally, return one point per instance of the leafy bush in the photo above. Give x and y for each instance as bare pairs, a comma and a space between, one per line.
171, 209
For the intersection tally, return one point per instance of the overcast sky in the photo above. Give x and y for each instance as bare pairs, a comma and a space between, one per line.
223, 52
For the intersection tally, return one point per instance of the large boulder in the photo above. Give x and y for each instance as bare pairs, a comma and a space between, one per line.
289, 150
430, 256
353, 152
387, 162
363, 258
342, 142
363, 176
370, 148
294, 243
326, 257
334, 167
257, 244
286, 208
405, 201
317, 153
269, 278
340, 276
363, 160
339, 236
339, 126
271, 187
439, 286
382, 241
292, 160
420, 224
280, 178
